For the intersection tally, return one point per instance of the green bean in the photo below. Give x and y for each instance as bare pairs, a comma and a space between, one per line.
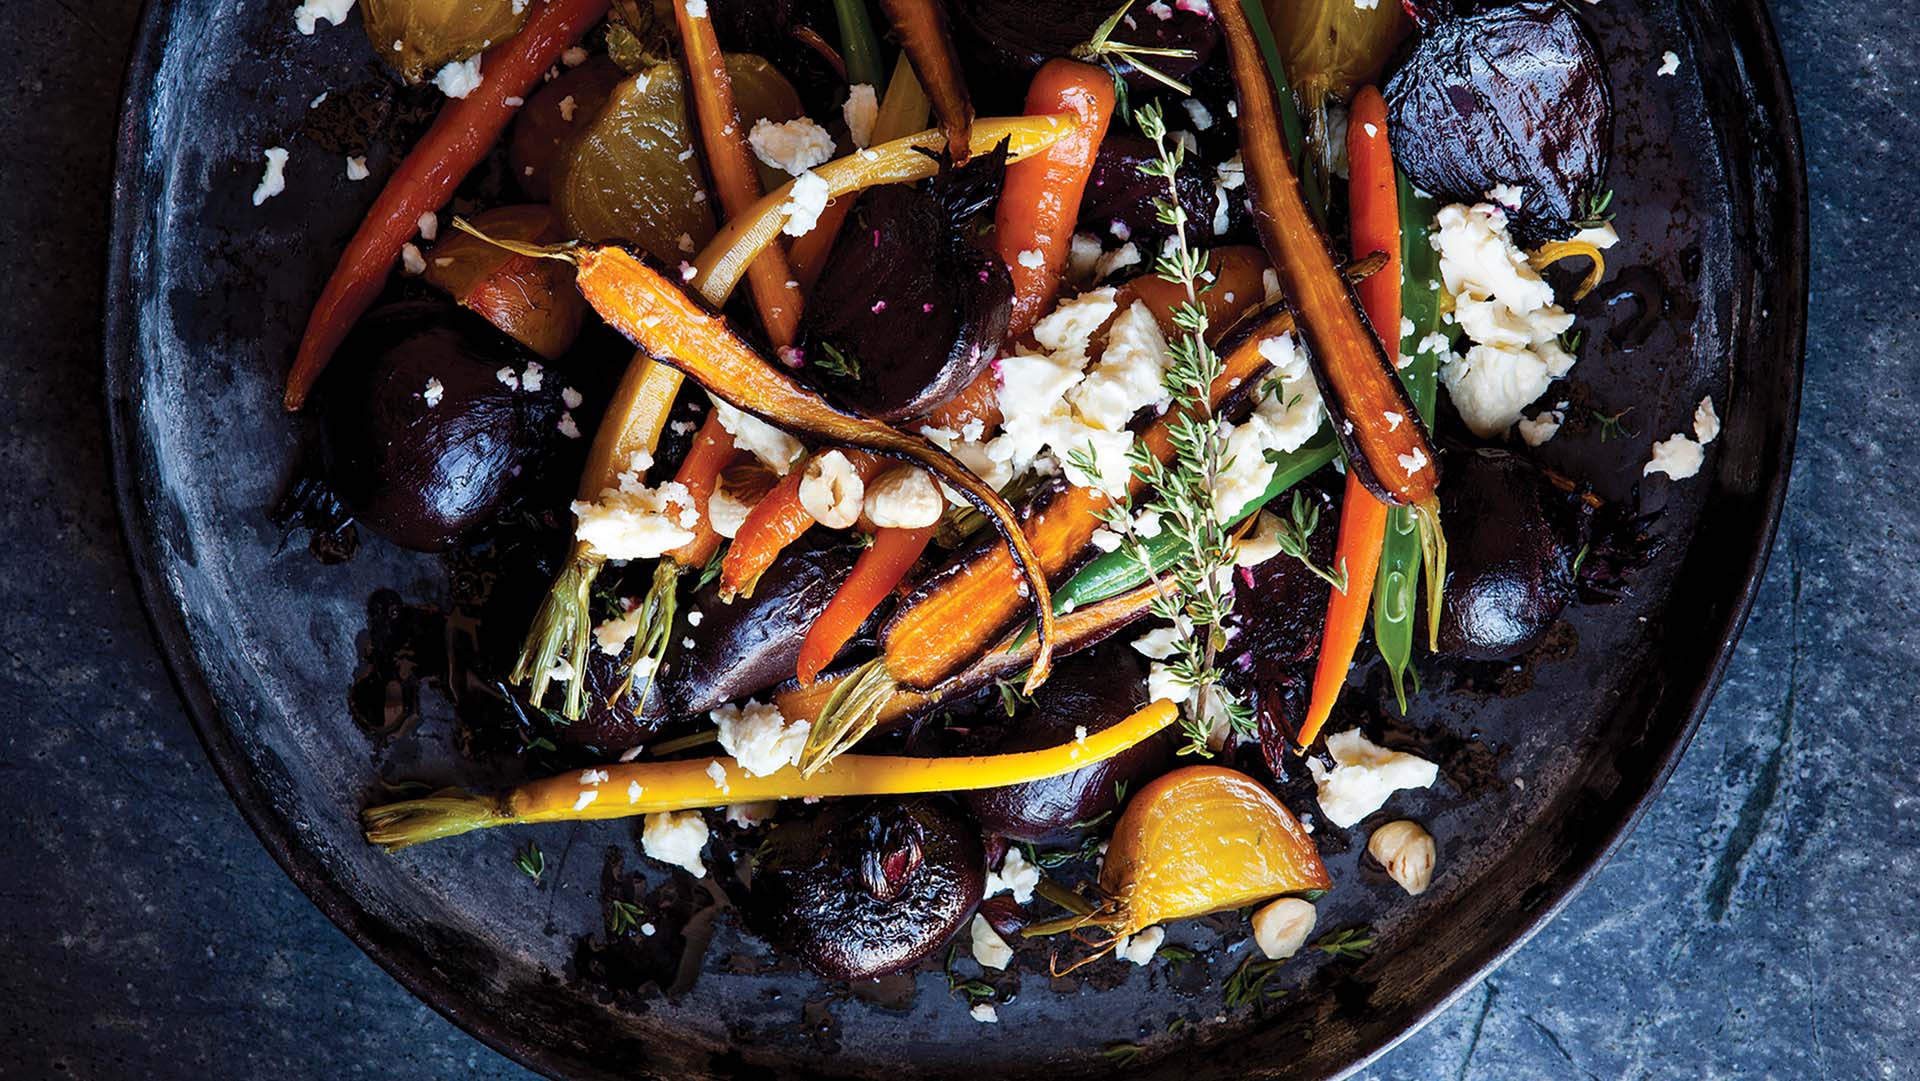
859, 47
1116, 572
1396, 588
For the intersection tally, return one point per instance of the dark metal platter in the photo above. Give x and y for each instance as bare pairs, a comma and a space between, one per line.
1546, 765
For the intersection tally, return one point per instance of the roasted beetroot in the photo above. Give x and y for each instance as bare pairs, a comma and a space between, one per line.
1006, 41
909, 309
1279, 611
867, 887
1092, 691
424, 440
1514, 95
1120, 190
1514, 538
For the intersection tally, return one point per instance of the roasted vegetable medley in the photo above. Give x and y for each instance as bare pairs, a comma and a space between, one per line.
977, 450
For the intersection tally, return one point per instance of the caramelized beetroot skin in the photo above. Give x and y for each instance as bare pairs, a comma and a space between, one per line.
1279, 613
1513, 538
1095, 689
426, 476
867, 887
909, 310
1513, 94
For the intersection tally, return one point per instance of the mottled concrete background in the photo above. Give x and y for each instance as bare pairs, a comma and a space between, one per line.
1759, 924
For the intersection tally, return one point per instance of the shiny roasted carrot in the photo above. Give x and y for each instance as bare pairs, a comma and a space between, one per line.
1041, 200
777, 521
927, 40
1374, 214
461, 136
879, 570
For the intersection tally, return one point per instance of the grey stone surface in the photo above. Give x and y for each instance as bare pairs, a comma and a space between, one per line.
1756, 925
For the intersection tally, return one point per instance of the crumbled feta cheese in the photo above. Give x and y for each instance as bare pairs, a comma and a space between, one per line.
1541, 427
1105, 539
634, 791
1509, 196
1706, 422
1111, 263
459, 78
1015, 876
1260, 543
435, 390
778, 450
676, 837
594, 776
989, 948
1287, 414
1413, 461
568, 427
613, 635
1032, 258
1140, 946
1363, 776
805, 201
697, 8
1678, 457
831, 490
587, 796
904, 498
574, 56
1121, 230
633, 521
792, 145
1197, 112
533, 376
306, 17
412, 263
694, 616
357, 168
984, 1013
749, 815
1160, 643
508, 378
1083, 254
1281, 928
1131, 374
759, 738
274, 180
719, 774
1365, 5
1669, 63
571, 398
1502, 304
862, 111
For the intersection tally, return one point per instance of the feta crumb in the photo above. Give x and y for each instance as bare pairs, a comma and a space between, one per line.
357, 168
862, 111
587, 796
1197, 112
1032, 258
594, 776
1678, 457
749, 815
759, 738
1120, 258
904, 498
985, 1014
508, 378
612, 636
1015, 876
726, 512
794, 146
831, 490
435, 390
1509, 196
1083, 254
1365, 5
1413, 461
1706, 422
1541, 427
459, 78
411, 261
568, 107
989, 948
533, 376
694, 616
274, 180
1105, 539
1363, 776
1141, 946
1281, 928
1669, 63
634, 791
568, 427
676, 837
571, 398
805, 201
697, 9
631, 520
719, 774
306, 17
778, 450
574, 56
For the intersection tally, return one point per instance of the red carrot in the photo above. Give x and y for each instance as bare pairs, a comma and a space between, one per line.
466, 129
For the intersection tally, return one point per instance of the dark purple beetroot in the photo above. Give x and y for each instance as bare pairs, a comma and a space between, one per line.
427, 475
1097, 689
1514, 94
1279, 612
909, 309
1118, 189
1513, 537
1005, 41
867, 887
745, 647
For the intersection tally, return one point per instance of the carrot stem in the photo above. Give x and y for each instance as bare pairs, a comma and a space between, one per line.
461, 136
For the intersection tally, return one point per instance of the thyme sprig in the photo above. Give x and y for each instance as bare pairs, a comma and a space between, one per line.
530, 861
1194, 590
1348, 942
1294, 535
1102, 49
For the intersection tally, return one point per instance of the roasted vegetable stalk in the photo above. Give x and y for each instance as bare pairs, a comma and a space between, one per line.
928, 42
622, 790
1385, 441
